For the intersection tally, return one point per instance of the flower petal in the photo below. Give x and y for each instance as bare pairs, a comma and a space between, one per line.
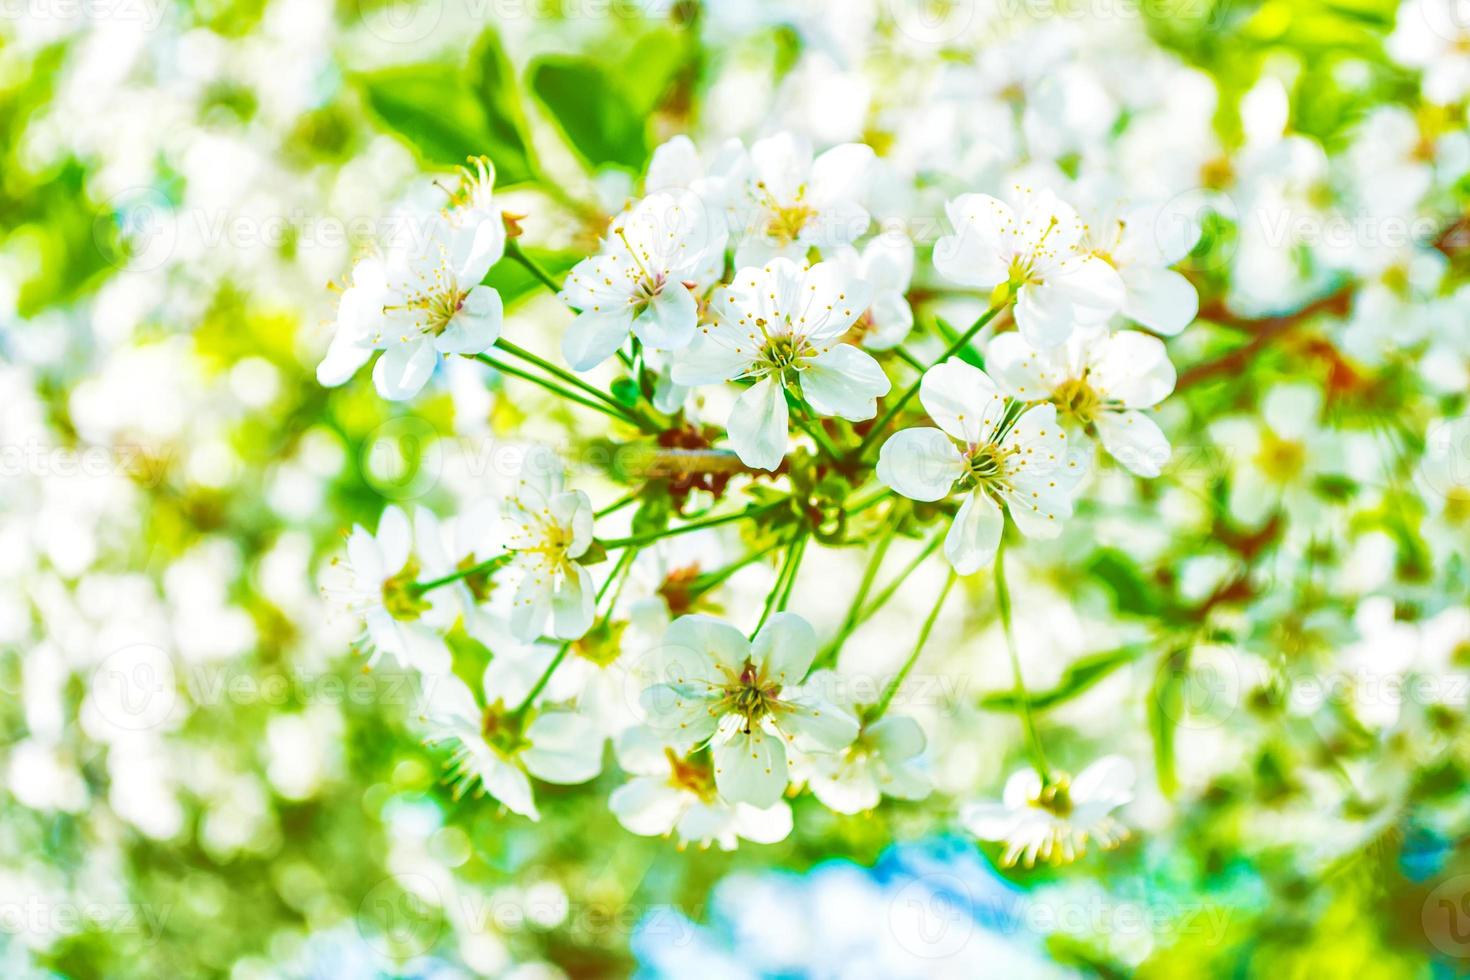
758, 425
668, 322
962, 400
593, 337
404, 368
975, 534
1135, 440
844, 382
751, 768
784, 648
1160, 299
565, 748
920, 463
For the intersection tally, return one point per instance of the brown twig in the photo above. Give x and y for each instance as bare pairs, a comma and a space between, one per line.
1266, 330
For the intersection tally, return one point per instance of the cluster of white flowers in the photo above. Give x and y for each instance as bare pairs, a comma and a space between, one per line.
759, 269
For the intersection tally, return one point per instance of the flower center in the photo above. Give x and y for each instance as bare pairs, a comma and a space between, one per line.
1457, 505
1056, 796
399, 596
1281, 459
781, 352
986, 464
691, 776
502, 730
787, 221
437, 306
1078, 399
751, 697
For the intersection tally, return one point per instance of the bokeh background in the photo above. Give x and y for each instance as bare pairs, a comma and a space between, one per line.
200, 779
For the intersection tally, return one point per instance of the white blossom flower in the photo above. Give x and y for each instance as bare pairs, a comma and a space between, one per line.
379, 574
1096, 379
549, 529
1278, 458
880, 762
641, 281
742, 698
423, 299
994, 457
1432, 35
717, 179
782, 326
1054, 821
496, 748
794, 203
1141, 242
673, 794
1444, 474
885, 266
1035, 249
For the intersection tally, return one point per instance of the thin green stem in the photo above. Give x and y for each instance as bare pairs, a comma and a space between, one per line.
781, 588
618, 504
513, 250
899, 579
552, 387
903, 673
567, 377
812, 426
669, 532
882, 425
1003, 603
619, 573
909, 359
870, 572
488, 565
710, 580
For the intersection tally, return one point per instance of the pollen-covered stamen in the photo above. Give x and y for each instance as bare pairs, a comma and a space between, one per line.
503, 730
400, 598
1056, 796
752, 697
785, 220
782, 352
986, 463
1078, 399
691, 776
1281, 459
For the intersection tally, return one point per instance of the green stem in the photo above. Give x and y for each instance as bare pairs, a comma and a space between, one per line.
908, 665
909, 359
781, 589
708, 581
913, 389
513, 250
669, 532
849, 622
1003, 603
567, 377
552, 387
813, 427
900, 578
488, 565
617, 505
619, 572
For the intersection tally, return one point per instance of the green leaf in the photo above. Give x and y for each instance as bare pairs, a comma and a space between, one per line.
650, 66
1165, 707
1078, 677
654, 513
1131, 591
499, 92
449, 114
515, 282
600, 121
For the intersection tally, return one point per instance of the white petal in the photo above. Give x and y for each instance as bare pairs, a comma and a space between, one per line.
476, 326
403, 369
784, 648
1021, 370
565, 748
1160, 299
974, 255
842, 174
815, 724
703, 649
1134, 440
897, 738
920, 463
962, 400
1133, 368
510, 786
593, 337
758, 425
708, 360
648, 805
668, 322
1045, 315
531, 606
343, 358
572, 605
751, 768
975, 534
844, 382
763, 826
